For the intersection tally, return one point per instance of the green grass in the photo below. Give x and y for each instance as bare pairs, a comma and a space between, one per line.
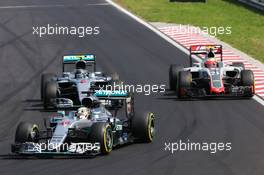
247, 24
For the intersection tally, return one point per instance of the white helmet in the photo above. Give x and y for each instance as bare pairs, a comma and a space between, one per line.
83, 113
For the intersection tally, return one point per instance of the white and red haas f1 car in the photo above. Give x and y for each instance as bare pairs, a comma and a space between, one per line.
211, 77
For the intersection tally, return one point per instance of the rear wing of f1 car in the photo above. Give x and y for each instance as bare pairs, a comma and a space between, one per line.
112, 100
202, 50
108, 94
117, 99
104, 95
89, 59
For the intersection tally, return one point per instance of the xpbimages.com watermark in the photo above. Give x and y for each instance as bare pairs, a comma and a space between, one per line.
182, 146
146, 89
80, 31
213, 30
73, 147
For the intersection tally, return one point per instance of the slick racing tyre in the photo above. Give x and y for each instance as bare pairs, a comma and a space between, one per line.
45, 78
50, 92
26, 132
247, 78
102, 133
173, 76
239, 64
185, 80
143, 127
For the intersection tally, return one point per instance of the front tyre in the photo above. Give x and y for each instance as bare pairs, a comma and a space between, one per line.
173, 76
143, 127
185, 80
26, 132
102, 133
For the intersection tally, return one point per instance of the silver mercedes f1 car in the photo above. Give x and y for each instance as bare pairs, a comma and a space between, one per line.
79, 76
105, 127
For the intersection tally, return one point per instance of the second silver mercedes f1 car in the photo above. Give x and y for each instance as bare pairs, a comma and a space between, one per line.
79, 76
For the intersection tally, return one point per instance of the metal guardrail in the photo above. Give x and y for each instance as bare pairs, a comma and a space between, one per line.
188, 1
258, 4
258, 1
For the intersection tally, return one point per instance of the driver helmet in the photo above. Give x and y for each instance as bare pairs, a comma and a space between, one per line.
79, 73
83, 113
210, 63
80, 65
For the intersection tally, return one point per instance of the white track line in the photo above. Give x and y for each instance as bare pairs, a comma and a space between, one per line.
141, 21
162, 35
49, 6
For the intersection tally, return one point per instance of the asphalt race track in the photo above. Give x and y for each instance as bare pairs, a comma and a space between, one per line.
140, 57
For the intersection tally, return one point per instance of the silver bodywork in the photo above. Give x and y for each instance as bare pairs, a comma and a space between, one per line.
80, 83
105, 127
62, 126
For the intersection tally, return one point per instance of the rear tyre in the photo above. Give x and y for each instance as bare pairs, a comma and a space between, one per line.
173, 76
185, 80
247, 79
239, 64
26, 132
143, 127
50, 92
45, 78
102, 133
